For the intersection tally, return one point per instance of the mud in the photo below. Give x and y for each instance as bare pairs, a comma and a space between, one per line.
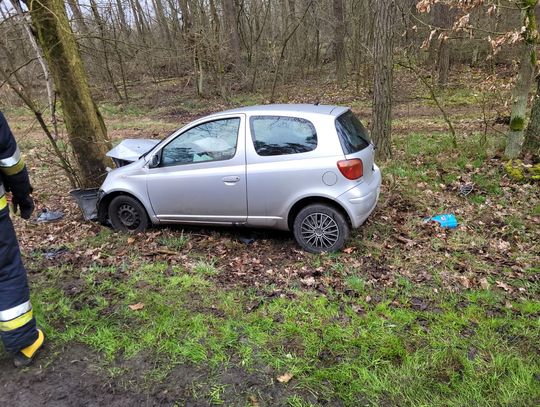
79, 377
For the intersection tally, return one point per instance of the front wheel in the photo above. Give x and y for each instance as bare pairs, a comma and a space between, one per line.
128, 215
320, 228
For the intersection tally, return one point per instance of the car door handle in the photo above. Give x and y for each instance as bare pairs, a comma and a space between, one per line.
231, 180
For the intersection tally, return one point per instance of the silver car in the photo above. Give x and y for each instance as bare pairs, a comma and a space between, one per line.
305, 168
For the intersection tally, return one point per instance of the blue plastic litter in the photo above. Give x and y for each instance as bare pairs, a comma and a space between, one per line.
446, 220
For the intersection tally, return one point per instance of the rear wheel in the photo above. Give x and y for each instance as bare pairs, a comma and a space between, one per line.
128, 215
320, 228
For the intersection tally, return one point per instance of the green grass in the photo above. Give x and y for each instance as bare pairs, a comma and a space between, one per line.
174, 241
448, 354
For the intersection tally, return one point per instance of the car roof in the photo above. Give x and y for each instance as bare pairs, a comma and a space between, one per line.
288, 109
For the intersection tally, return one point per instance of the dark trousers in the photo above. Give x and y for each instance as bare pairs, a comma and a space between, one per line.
17, 323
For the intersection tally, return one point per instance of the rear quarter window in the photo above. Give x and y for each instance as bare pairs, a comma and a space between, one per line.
282, 135
353, 136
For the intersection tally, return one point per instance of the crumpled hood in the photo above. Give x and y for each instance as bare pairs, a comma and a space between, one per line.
131, 149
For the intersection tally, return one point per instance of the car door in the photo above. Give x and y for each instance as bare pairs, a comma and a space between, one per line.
281, 166
201, 175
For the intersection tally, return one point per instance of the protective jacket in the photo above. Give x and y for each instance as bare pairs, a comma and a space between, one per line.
17, 323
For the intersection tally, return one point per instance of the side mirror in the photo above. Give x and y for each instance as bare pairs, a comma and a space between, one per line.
154, 161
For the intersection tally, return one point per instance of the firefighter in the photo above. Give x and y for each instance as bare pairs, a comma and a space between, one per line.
18, 331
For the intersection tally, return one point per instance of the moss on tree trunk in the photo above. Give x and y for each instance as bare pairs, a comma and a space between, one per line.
516, 133
85, 126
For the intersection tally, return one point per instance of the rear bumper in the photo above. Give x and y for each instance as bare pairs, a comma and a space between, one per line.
361, 200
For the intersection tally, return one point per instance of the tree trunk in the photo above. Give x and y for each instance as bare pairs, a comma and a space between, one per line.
532, 134
51, 94
339, 44
231, 28
124, 26
138, 16
101, 26
162, 21
382, 77
443, 18
85, 126
78, 17
520, 95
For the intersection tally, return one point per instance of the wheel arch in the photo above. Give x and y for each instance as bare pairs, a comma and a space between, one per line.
105, 200
302, 203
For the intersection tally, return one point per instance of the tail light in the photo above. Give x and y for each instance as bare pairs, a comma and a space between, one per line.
351, 169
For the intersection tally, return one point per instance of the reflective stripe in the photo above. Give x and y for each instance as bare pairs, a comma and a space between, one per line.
12, 165
3, 200
15, 312
17, 322
13, 170
11, 161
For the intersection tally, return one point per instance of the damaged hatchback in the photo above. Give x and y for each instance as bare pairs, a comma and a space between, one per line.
305, 168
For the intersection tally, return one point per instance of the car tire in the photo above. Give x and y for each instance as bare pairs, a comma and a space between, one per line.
320, 228
128, 215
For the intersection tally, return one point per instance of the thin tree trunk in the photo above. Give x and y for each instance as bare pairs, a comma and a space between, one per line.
124, 26
51, 96
78, 16
381, 126
162, 21
282, 53
443, 19
339, 43
231, 28
101, 27
85, 126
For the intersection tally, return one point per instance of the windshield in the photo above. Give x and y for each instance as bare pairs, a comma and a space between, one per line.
352, 134
158, 144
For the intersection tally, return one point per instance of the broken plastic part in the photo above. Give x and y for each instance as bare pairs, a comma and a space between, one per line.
246, 239
87, 201
49, 216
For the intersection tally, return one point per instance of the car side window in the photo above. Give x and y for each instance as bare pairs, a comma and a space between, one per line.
281, 135
211, 141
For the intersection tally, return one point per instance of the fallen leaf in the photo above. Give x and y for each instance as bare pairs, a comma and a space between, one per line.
358, 309
349, 250
131, 240
484, 283
253, 401
285, 378
503, 285
309, 281
136, 307
465, 282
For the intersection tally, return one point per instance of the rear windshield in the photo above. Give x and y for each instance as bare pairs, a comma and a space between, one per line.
352, 134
